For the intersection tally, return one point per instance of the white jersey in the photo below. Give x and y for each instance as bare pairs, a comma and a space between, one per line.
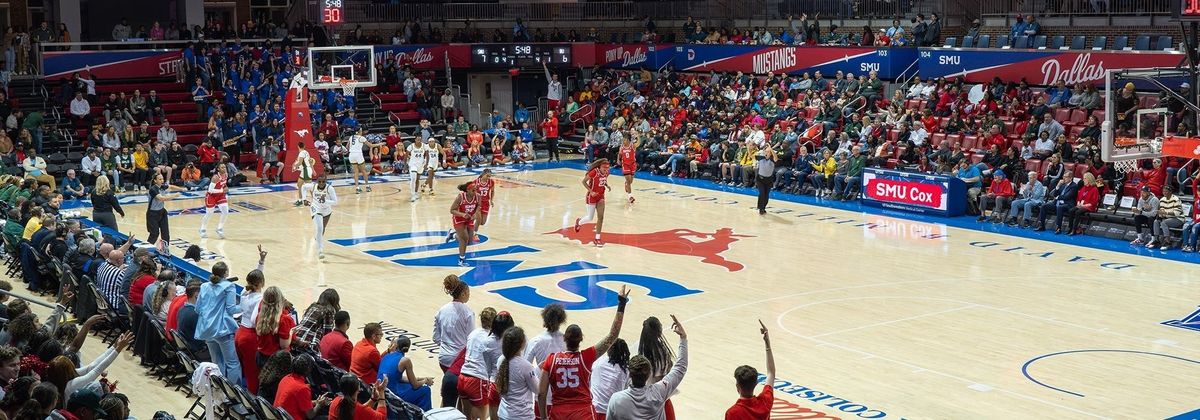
320, 201
304, 164
356, 148
433, 158
607, 379
517, 403
416, 157
543, 344
451, 326
483, 355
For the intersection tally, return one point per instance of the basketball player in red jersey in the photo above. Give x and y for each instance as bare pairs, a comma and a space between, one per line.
628, 156
486, 188
569, 371
596, 183
216, 197
464, 210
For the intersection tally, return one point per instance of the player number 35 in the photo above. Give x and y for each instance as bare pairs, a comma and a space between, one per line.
568, 377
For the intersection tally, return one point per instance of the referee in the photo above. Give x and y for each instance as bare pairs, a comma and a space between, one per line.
765, 165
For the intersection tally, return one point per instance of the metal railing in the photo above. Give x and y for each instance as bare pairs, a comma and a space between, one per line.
603, 11
1081, 8
845, 9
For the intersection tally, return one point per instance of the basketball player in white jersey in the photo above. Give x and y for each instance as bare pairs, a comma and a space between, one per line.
320, 198
305, 165
216, 198
433, 162
417, 154
357, 163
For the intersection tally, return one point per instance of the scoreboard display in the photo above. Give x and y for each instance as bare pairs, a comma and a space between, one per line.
520, 55
1187, 10
332, 12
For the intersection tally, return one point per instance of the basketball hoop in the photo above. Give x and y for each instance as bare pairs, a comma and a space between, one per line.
347, 86
1125, 166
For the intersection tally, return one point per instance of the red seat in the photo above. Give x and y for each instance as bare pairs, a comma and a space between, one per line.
1075, 130
1045, 166
1069, 168
954, 138
1078, 116
1018, 143
937, 139
1063, 115
970, 143
1081, 169
892, 134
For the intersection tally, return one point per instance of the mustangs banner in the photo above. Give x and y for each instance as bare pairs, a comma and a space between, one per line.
889, 63
1039, 67
634, 56
427, 56
112, 64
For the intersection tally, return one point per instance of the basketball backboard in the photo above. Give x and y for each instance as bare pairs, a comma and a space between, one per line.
341, 67
1137, 134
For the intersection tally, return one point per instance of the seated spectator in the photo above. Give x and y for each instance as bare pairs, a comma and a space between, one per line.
80, 111
1000, 194
318, 319
191, 179
1191, 231
336, 346
294, 395
1060, 199
346, 405
1087, 202
272, 371
970, 175
364, 360
72, 188
1170, 216
35, 168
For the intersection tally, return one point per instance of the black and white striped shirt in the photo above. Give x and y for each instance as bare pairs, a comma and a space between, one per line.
108, 280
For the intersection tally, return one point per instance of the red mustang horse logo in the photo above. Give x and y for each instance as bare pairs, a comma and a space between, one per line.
707, 246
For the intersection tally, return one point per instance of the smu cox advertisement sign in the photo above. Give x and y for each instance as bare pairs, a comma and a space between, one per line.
425, 56
1039, 67
887, 62
918, 193
112, 64
634, 56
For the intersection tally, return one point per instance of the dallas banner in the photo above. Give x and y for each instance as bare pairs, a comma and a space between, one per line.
112, 64
1038, 67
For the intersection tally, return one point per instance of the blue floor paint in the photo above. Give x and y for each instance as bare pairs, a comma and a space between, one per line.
961, 222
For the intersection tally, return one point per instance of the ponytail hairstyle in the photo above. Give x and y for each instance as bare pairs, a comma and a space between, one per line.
219, 271
164, 292
511, 345
618, 354
654, 346
572, 337
348, 384
255, 280
456, 288
501, 323
269, 311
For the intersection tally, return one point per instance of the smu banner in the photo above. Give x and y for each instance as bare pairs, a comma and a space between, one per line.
634, 56
1038, 67
914, 192
888, 62
429, 56
112, 64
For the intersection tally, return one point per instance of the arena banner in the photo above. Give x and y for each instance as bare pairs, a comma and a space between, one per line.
426, 56
1039, 67
112, 64
887, 62
914, 192
634, 56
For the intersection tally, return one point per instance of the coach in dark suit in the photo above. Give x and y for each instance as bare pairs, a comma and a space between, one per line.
1060, 200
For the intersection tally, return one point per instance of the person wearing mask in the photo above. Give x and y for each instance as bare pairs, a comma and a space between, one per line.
216, 307
645, 400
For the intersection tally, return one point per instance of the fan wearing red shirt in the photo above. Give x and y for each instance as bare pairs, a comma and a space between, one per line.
274, 325
1000, 194
750, 406
995, 138
550, 132
336, 346
1086, 202
293, 394
569, 372
208, 157
364, 359
352, 409
145, 277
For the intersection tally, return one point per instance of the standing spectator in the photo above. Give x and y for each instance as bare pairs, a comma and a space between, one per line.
919, 29
10, 49
364, 360
973, 31
121, 31
43, 34
550, 133
933, 31
216, 306
648, 401
749, 406
554, 88
764, 179
1031, 28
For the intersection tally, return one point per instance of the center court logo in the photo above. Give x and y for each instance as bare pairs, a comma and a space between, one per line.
492, 263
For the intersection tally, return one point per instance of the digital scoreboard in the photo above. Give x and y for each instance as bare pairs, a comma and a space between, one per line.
521, 55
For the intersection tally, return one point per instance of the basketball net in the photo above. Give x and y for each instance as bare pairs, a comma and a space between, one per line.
347, 86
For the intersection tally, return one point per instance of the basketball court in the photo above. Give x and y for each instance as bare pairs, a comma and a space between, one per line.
871, 315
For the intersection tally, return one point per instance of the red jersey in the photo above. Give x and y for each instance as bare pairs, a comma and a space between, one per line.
550, 127
468, 206
628, 157
215, 195
597, 180
570, 376
485, 192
